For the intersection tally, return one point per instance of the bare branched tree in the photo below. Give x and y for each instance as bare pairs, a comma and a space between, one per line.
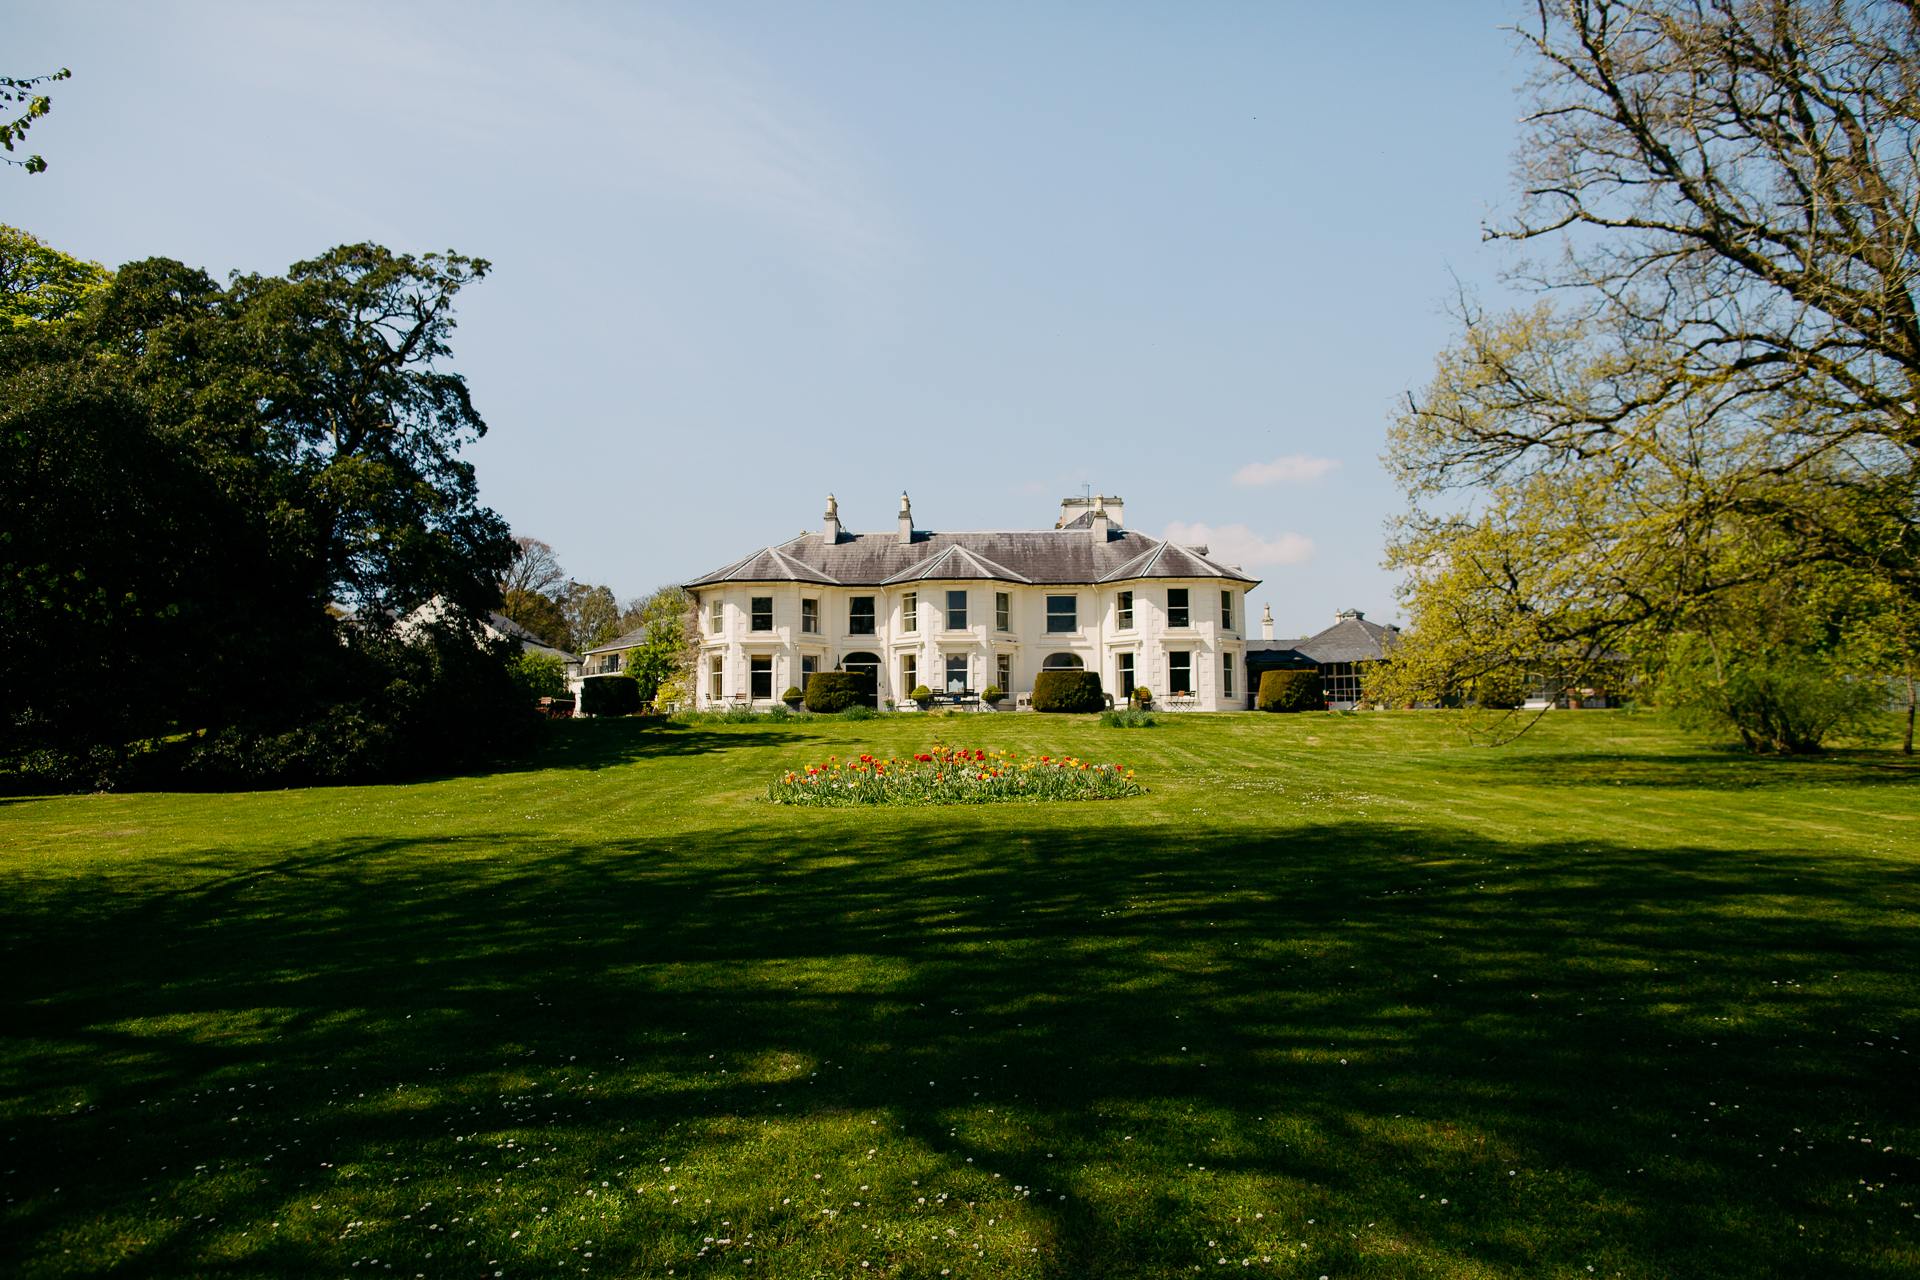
1731, 189
535, 568
1721, 200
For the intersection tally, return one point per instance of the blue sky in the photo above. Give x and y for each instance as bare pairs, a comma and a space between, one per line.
747, 254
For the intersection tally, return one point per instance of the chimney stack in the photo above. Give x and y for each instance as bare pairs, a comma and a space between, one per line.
1266, 625
1100, 519
905, 536
830, 531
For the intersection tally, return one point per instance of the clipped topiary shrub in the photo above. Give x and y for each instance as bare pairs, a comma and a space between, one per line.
992, 694
1290, 691
831, 691
610, 696
921, 694
1068, 691
792, 695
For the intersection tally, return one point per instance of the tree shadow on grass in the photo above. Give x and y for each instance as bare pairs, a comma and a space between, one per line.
606, 743
1710, 770
1654, 1063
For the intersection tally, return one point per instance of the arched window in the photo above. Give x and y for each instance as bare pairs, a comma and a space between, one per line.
1063, 662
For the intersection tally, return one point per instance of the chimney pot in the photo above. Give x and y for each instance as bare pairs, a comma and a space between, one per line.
905, 535
830, 526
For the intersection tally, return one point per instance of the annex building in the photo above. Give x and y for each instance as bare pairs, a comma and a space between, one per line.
958, 612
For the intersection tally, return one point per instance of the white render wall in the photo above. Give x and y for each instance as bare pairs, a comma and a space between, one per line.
1098, 642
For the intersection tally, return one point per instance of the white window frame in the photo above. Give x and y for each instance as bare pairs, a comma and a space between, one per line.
946, 620
1003, 611
1123, 612
910, 611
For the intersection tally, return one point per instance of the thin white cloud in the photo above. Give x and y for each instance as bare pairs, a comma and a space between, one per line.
614, 104
1237, 544
1295, 468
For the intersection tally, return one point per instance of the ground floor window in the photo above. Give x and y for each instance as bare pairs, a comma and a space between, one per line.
716, 677
1340, 681
909, 675
760, 676
1226, 672
956, 673
808, 665
1124, 683
1004, 673
1180, 672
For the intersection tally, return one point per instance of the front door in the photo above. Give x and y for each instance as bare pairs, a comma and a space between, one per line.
869, 664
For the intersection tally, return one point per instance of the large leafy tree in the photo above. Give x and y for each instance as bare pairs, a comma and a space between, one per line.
197, 478
1726, 203
39, 283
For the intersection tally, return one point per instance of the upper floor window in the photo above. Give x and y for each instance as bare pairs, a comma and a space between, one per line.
810, 616
716, 616
1124, 620
1063, 613
910, 611
956, 611
761, 614
1002, 611
1178, 614
860, 615
1226, 610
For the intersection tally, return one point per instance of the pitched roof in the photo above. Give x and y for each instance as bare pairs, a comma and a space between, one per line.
956, 563
507, 629
769, 564
1072, 555
1351, 639
632, 640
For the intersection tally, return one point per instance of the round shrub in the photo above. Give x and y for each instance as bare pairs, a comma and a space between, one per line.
993, 693
792, 694
831, 691
609, 696
1290, 691
921, 694
1068, 691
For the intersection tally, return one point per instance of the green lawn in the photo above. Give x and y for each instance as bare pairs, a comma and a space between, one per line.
1338, 998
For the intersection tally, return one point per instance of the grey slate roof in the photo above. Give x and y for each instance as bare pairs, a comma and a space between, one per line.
770, 565
1071, 555
632, 640
1350, 639
529, 642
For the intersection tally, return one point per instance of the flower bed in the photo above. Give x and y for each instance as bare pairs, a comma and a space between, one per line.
948, 776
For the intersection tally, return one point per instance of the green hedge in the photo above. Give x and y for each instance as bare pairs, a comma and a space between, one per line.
1068, 691
1290, 691
609, 696
831, 691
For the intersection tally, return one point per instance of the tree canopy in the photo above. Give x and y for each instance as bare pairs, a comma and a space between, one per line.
1720, 395
201, 482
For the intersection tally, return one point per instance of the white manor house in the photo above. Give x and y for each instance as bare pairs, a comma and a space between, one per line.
959, 612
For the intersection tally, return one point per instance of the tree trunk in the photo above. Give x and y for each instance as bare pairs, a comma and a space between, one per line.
1906, 748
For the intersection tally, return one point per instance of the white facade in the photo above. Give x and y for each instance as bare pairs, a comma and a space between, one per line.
756, 637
